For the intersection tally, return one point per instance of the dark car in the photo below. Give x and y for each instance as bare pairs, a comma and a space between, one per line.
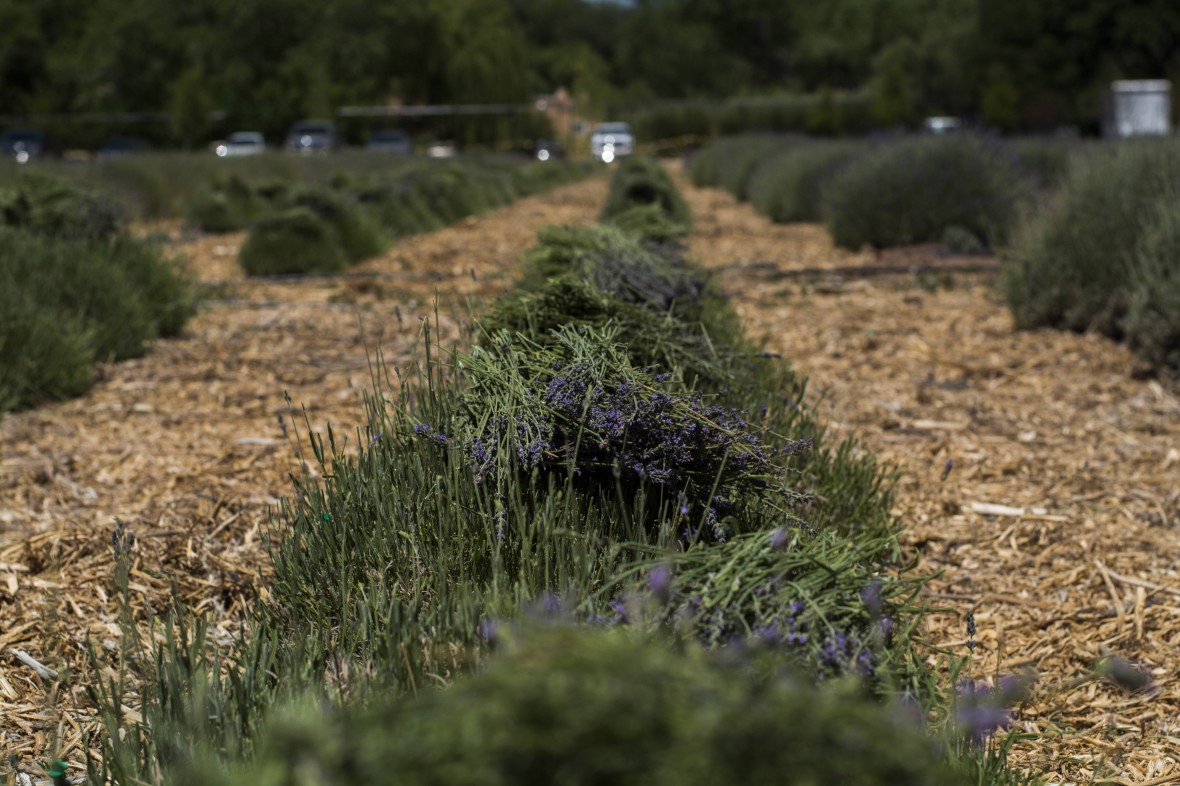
547, 150
391, 140
312, 136
23, 144
118, 146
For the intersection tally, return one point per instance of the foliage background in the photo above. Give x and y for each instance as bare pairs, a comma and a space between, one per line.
1014, 65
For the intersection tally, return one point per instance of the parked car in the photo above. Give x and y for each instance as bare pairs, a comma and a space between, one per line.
312, 136
441, 150
547, 150
609, 141
941, 125
390, 140
118, 146
23, 144
241, 143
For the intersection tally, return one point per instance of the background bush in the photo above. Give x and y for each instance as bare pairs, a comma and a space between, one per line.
358, 214
55, 207
786, 187
75, 290
728, 163
228, 205
1072, 266
358, 235
912, 190
292, 242
1152, 324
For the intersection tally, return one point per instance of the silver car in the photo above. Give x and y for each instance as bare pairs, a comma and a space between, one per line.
241, 143
609, 141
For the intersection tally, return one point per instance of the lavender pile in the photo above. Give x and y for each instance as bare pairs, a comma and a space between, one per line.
578, 407
619, 265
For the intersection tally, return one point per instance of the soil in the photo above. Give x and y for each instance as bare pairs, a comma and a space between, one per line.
1035, 470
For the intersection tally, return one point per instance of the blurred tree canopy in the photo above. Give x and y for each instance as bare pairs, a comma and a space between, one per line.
1013, 63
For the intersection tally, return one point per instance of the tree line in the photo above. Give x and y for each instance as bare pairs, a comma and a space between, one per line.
1014, 64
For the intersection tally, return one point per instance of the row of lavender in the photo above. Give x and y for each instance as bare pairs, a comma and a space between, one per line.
606, 544
1088, 232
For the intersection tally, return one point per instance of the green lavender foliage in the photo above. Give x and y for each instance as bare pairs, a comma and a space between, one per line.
55, 207
1073, 265
1152, 323
912, 190
787, 186
75, 289
294, 241
643, 182
577, 706
357, 215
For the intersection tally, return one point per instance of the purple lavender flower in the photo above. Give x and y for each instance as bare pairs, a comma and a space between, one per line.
488, 630
550, 604
769, 634
844, 654
620, 610
779, 539
659, 583
871, 596
979, 713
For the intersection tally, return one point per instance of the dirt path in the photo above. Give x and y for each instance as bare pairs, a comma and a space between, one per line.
188, 446
929, 369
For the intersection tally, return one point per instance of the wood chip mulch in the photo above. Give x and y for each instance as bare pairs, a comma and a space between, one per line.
1058, 524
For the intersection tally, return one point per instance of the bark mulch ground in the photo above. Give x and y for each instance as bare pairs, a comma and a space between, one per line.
1058, 524
191, 446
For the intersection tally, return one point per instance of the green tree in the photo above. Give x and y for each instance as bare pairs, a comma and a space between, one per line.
1000, 103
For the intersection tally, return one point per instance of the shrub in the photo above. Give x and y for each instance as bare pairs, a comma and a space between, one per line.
1045, 161
358, 235
742, 160
1152, 324
730, 163
787, 186
453, 192
640, 182
292, 242
960, 241
398, 210
1071, 266
579, 707
230, 204
55, 207
71, 301
911, 191
45, 354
